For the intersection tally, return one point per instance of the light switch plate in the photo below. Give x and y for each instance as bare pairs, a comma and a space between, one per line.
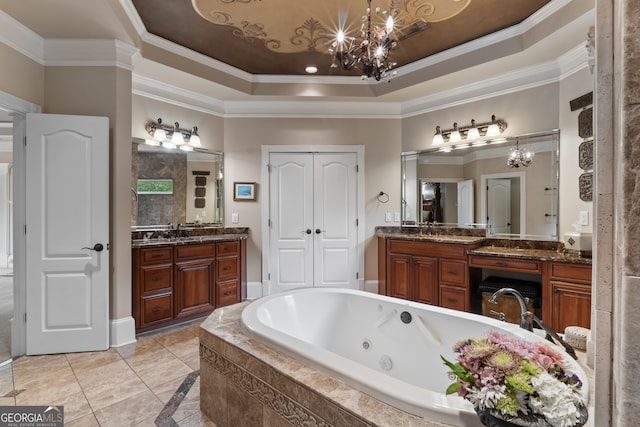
387, 217
396, 217
234, 218
584, 217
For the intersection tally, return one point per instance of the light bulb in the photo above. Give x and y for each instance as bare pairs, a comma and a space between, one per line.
473, 132
455, 135
437, 138
177, 137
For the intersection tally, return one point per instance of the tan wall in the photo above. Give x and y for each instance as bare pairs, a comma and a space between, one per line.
21, 76
245, 137
572, 87
530, 110
210, 127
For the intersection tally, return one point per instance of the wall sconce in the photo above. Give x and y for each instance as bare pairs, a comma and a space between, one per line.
469, 133
172, 136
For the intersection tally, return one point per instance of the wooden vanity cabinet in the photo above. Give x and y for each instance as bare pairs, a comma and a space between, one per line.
228, 273
567, 295
427, 272
153, 286
194, 280
176, 283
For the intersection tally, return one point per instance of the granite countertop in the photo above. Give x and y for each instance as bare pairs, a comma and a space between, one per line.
536, 254
436, 238
173, 241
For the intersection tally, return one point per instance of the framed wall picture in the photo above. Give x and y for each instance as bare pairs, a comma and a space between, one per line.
244, 191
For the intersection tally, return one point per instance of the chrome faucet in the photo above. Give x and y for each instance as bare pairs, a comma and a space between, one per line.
527, 318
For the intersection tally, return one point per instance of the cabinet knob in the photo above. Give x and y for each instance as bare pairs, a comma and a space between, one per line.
556, 290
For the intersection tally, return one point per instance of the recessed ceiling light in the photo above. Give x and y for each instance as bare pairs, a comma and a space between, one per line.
311, 69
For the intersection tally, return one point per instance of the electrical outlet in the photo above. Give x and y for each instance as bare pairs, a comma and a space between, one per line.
584, 217
396, 217
387, 217
234, 218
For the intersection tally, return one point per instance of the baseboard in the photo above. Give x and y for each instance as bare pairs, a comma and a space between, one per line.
254, 290
122, 331
371, 286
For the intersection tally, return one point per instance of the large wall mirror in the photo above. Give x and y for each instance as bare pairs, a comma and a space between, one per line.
176, 187
471, 185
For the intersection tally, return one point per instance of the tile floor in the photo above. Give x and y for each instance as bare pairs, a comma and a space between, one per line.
152, 382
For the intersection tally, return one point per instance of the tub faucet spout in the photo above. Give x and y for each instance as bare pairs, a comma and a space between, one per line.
526, 322
527, 319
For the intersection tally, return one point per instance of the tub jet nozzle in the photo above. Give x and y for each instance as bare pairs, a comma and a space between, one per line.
405, 316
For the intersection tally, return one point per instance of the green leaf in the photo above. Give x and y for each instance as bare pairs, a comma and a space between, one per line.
453, 388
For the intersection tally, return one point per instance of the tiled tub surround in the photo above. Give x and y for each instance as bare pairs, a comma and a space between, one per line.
244, 382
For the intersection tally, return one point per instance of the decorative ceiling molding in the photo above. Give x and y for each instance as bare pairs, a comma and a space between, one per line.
510, 33
89, 53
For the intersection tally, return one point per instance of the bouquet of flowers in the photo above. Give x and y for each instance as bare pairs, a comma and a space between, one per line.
515, 379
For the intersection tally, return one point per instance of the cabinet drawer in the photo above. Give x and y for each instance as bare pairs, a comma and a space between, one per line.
500, 263
227, 268
195, 251
453, 272
156, 277
454, 298
227, 293
156, 308
227, 248
442, 250
156, 255
571, 272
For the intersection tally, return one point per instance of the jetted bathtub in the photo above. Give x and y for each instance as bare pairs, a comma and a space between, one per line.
386, 347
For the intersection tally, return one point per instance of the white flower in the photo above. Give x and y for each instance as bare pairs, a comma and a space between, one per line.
555, 400
485, 397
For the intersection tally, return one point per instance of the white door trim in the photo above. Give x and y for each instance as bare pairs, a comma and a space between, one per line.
264, 197
20, 108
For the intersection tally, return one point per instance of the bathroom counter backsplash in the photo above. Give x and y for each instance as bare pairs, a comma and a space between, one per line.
187, 235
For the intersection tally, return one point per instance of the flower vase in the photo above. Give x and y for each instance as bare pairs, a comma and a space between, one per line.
492, 418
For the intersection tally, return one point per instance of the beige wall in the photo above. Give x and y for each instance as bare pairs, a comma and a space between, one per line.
245, 137
21, 76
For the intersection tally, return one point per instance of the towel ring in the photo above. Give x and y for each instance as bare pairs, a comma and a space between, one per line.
383, 197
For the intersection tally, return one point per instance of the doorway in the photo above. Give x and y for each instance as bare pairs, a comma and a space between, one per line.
503, 202
312, 227
6, 235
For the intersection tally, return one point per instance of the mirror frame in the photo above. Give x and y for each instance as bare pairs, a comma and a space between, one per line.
219, 190
539, 140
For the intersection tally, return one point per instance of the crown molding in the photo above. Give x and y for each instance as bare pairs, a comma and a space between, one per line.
89, 53
20, 38
160, 91
313, 109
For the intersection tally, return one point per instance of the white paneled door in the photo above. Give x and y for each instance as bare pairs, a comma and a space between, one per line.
67, 257
313, 220
499, 205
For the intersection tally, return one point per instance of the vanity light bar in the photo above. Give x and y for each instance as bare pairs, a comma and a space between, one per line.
472, 132
172, 136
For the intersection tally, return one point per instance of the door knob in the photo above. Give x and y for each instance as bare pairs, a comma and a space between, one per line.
98, 247
308, 231
318, 231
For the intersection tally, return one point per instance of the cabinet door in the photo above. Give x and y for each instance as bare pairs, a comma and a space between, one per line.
193, 288
425, 280
571, 305
399, 276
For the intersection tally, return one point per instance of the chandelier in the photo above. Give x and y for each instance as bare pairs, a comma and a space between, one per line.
371, 52
519, 157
